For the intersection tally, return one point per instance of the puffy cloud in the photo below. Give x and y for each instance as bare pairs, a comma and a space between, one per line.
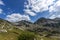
52, 17
29, 12
1, 2
36, 6
55, 10
17, 17
1, 11
55, 7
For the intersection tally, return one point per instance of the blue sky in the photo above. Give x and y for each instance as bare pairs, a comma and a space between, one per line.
30, 10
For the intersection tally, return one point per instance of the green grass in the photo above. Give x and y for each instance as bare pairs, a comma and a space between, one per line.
8, 36
17, 34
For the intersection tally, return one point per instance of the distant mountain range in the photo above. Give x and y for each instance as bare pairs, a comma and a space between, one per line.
42, 25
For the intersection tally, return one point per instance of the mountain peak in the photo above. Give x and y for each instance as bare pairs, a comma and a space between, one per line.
40, 20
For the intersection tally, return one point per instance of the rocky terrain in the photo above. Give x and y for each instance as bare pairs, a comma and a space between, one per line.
42, 29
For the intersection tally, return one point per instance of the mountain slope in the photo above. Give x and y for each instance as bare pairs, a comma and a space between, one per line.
8, 31
42, 26
24, 30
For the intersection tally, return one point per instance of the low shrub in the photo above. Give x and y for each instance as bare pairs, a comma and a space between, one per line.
26, 36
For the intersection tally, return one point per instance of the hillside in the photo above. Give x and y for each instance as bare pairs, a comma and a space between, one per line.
42, 29
42, 24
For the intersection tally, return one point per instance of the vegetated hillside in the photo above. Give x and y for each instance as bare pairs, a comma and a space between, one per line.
42, 29
8, 31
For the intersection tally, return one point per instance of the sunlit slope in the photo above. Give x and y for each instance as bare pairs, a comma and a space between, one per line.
8, 31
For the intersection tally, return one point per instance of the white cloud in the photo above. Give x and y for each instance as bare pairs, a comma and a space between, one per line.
17, 17
1, 11
52, 17
55, 10
55, 7
1, 2
38, 5
27, 11
35, 6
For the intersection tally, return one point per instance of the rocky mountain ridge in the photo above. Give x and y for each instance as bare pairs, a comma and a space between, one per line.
43, 27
